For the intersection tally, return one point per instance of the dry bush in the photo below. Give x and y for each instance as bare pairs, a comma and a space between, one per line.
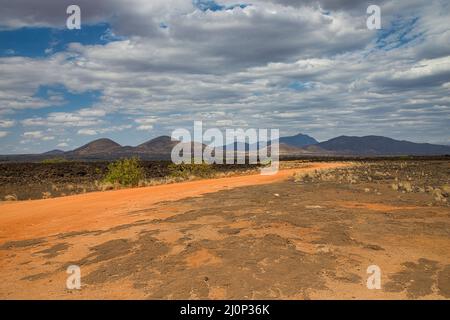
303, 177
11, 197
46, 195
54, 160
439, 195
107, 186
446, 189
403, 186
186, 171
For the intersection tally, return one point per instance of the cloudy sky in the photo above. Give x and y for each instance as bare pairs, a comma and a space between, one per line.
139, 69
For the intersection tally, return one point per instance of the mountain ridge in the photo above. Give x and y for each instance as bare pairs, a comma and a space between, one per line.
160, 148
299, 140
380, 145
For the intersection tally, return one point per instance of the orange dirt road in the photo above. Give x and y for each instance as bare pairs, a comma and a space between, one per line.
103, 210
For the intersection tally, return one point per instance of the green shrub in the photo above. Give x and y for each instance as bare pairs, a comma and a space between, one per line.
126, 172
179, 170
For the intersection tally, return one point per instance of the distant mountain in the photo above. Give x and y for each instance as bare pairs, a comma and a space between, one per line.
245, 147
55, 152
239, 146
106, 149
100, 146
286, 150
378, 145
159, 145
159, 148
299, 140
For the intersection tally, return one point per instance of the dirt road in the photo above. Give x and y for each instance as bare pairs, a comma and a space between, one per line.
104, 210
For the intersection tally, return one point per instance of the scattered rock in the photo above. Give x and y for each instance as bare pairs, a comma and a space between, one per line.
373, 247
324, 249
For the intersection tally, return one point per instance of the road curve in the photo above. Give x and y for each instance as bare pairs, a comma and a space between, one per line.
103, 210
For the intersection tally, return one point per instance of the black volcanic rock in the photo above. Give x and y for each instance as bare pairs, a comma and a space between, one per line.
378, 145
299, 140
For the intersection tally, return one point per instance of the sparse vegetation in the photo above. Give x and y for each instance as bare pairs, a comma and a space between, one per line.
54, 160
125, 172
406, 177
304, 177
186, 171
29, 180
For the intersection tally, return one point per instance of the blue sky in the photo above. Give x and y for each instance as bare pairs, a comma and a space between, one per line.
42, 42
134, 72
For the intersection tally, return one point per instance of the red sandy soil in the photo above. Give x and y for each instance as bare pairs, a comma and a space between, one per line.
103, 210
